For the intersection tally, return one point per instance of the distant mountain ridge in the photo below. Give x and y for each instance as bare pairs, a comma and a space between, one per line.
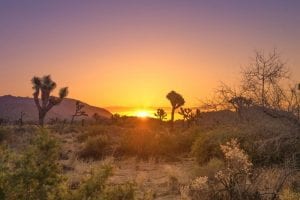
12, 106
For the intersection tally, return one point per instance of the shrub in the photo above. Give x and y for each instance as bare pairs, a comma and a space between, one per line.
95, 147
35, 174
124, 191
266, 142
238, 180
206, 146
229, 183
142, 143
94, 186
238, 168
146, 143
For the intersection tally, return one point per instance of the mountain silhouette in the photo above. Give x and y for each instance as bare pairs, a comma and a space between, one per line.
12, 106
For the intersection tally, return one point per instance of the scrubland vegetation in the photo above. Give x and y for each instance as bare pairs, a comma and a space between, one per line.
246, 145
213, 159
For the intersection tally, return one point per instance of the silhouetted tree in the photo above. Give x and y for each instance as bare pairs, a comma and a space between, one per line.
239, 103
176, 101
116, 117
261, 78
78, 111
228, 96
160, 114
44, 86
189, 116
186, 113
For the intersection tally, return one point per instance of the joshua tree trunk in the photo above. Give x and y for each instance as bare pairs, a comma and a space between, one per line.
42, 115
172, 117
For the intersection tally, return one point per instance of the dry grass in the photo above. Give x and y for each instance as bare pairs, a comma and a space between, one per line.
159, 162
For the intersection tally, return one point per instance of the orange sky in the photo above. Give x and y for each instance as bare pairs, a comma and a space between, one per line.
118, 54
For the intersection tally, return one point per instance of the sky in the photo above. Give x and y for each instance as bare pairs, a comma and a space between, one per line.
132, 53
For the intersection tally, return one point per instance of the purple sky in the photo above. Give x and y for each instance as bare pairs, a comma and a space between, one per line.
111, 52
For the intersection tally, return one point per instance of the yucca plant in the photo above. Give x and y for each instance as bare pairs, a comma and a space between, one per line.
160, 114
78, 111
43, 87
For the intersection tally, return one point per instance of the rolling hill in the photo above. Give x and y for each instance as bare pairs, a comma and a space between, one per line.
12, 106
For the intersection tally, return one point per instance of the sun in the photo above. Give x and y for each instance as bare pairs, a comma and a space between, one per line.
142, 113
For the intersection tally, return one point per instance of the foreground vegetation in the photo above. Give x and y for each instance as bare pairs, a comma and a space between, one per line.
257, 158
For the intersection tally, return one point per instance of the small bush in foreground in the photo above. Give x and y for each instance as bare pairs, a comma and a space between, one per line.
35, 174
96, 187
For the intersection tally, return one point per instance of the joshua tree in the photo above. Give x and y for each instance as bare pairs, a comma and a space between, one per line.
44, 86
78, 111
160, 114
186, 113
176, 101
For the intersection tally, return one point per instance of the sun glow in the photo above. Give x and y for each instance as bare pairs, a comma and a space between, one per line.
143, 113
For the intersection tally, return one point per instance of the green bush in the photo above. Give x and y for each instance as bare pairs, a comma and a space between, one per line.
206, 146
96, 187
267, 142
93, 187
124, 191
35, 174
